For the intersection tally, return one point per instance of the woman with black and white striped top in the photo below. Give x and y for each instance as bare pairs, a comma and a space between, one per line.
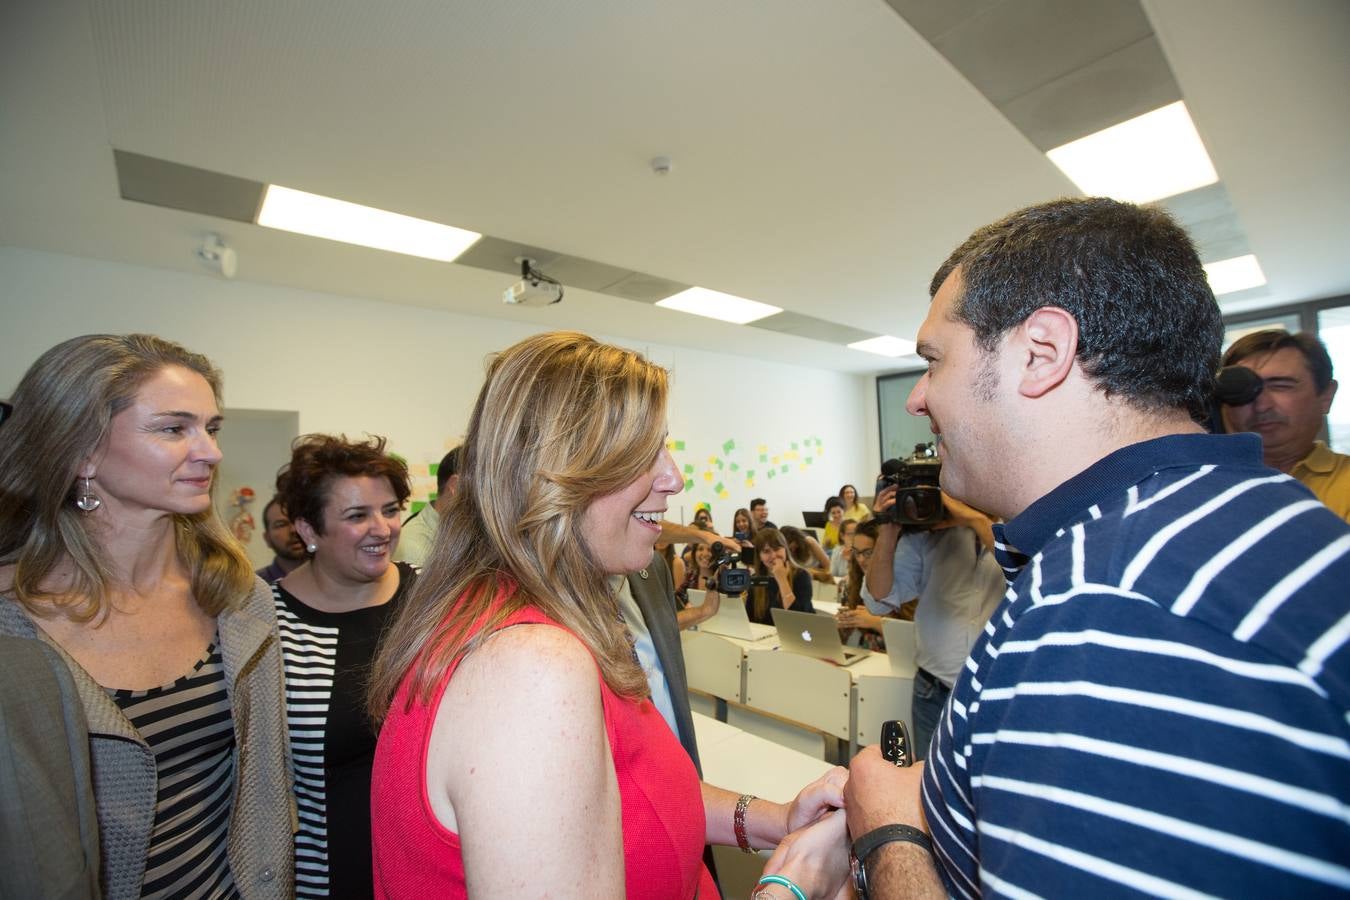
346, 500
111, 555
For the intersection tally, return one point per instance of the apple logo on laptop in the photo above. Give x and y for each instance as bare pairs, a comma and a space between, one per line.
806, 636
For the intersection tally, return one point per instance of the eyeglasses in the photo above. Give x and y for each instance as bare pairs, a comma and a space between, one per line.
862, 554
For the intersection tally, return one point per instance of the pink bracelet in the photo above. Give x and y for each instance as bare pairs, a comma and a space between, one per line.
738, 823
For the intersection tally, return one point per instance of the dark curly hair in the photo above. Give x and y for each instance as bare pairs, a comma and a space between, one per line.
1149, 329
317, 460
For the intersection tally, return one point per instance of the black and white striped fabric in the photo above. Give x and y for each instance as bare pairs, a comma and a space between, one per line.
188, 727
1159, 706
327, 659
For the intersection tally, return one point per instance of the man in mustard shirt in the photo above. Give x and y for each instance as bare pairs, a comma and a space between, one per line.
1288, 413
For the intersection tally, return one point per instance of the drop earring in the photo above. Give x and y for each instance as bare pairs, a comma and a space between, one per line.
88, 501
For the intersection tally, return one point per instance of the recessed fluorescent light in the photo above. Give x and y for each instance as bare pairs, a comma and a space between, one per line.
885, 346
1156, 155
1236, 274
337, 220
716, 305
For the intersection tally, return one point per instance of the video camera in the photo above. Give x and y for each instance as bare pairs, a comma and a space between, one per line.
733, 580
1233, 386
918, 498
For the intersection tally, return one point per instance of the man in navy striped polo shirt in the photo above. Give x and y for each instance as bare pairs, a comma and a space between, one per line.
1159, 704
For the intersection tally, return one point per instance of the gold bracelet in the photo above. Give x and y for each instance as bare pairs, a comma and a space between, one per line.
738, 822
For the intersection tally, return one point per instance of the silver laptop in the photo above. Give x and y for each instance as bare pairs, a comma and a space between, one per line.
814, 634
901, 646
731, 619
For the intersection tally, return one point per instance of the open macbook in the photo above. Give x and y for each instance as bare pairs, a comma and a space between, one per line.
814, 634
901, 646
731, 620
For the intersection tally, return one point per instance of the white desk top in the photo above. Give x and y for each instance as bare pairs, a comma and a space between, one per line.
747, 764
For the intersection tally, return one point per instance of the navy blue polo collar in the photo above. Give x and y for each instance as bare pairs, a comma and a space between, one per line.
1108, 477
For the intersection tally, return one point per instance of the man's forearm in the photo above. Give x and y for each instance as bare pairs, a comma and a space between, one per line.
902, 869
881, 567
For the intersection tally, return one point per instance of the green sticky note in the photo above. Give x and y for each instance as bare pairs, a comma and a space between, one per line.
749, 473
689, 484
718, 488
784, 469
417, 506
772, 473
689, 468
720, 464
728, 446
679, 445
433, 468
794, 445
764, 457
807, 461
735, 467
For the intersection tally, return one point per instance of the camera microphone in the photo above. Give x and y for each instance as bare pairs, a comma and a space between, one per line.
1237, 386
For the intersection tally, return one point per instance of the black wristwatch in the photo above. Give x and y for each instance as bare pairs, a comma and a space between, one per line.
865, 845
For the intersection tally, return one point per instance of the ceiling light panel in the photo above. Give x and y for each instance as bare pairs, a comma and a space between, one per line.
337, 220
716, 305
885, 345
1236, 274
1147, 158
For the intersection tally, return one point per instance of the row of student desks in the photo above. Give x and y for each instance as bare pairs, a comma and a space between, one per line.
819, 708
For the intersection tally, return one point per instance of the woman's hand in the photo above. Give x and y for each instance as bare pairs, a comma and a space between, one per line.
858, 617
815, 858
818, 798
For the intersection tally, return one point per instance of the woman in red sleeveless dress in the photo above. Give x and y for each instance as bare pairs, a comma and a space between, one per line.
520, 753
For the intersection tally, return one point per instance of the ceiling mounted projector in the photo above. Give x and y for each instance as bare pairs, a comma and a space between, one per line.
534, 287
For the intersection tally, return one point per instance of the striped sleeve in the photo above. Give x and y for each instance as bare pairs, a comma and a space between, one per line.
1106, 745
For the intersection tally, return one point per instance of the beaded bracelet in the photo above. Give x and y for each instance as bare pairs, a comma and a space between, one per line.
784, 882
738, 823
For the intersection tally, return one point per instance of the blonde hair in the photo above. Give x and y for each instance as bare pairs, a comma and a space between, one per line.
63, 407
561, 420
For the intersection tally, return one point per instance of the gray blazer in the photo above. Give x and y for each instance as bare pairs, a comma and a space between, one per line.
262, 819
655, 596
48, 828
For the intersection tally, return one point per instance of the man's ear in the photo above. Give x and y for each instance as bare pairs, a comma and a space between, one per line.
1048, 348
1327, 396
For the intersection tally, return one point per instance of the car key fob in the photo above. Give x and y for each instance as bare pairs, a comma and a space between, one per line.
895, 747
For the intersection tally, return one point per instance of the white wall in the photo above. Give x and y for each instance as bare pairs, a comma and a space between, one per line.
254, 443
360, 365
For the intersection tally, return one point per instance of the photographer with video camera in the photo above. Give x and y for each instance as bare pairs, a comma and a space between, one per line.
936, 548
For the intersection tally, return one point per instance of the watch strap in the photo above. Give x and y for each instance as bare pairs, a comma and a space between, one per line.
863, 846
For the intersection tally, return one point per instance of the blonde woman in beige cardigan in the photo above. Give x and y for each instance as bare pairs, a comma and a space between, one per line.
112, 555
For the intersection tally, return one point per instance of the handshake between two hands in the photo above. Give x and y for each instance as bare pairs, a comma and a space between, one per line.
880, 787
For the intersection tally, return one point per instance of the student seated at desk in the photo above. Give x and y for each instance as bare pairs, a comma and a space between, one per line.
806, 553
854, 618
788, 588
